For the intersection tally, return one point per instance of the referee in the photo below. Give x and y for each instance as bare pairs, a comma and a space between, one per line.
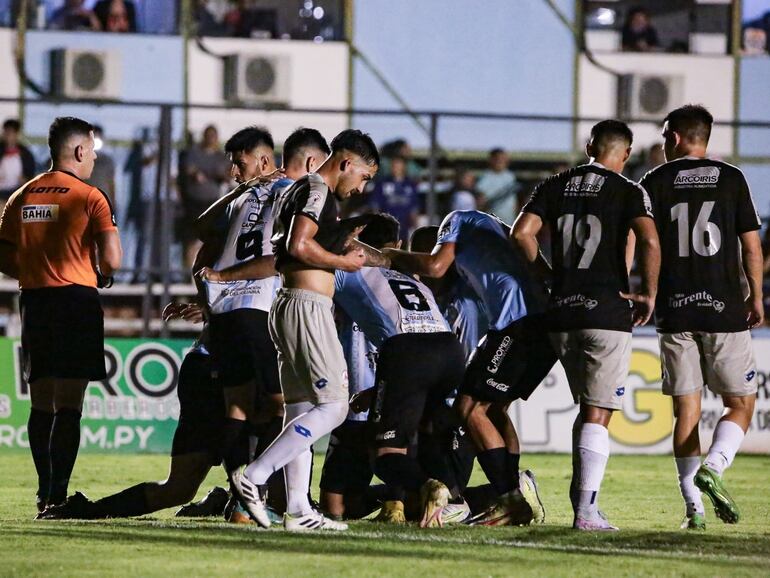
58, 238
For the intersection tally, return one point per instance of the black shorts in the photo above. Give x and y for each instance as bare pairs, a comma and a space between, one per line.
415, 373
347, 469
510, 364
201, 409
62, 333
242, 350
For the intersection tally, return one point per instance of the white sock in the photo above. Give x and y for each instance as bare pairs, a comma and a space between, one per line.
728, 437
686, 469
594, 450
297, 437
297, 471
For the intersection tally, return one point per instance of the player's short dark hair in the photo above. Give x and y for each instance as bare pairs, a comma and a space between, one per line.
423, 239
496, 151
692, 122
12, 124
303, 138
249, 138
64, 128
381, 230
607, 132
358, 143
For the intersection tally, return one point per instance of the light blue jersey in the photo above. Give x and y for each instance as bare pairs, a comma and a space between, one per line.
486, 261
248, 226
361, 357
466, 316
385, 303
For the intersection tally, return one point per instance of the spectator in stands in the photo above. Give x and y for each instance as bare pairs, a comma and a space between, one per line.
756, 34
653, 157
399, 148
206, 23
245, 21
17, 165
638, 34
498, 186
103, 175
397, 194
74, 16
206, 170
464, 196
116, 15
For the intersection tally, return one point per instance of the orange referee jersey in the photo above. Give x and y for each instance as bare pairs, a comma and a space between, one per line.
53, 221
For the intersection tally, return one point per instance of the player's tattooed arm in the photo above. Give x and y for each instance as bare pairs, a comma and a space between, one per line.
374, 257
433, 265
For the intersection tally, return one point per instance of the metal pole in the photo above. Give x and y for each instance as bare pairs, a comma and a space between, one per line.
166, 216
432, 207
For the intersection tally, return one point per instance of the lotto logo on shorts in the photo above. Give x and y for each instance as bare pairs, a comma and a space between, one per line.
620, 391
303, 431
321, 383
750, 375
388, 435
39, 213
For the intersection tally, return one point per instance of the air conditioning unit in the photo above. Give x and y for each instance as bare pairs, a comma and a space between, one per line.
649, 96
257, 79
77, 73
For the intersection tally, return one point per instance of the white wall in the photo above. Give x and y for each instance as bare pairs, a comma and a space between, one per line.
9, 87
707, 80
318, 79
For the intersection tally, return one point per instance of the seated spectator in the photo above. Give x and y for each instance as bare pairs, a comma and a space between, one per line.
74, 16
498, 186
463, 195
638, 34
206, 171
399, 148
397, 194
205, 22
116, 15
245, 21
17, 165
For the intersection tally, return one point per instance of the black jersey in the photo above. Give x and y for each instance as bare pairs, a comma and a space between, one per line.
308, 196
589, 211
702, 206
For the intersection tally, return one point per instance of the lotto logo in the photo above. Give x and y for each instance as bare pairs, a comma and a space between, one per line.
39, 213
750, 375
303, 431
620, 391
388, 435
321, 383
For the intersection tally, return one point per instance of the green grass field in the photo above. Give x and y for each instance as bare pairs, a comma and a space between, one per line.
640, 495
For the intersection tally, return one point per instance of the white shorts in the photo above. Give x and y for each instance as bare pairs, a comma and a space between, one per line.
310, 359
596, 363
722, 361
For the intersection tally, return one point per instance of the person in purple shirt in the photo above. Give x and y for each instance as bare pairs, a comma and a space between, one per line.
397, 195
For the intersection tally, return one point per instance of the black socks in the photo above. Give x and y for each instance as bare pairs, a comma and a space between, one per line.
63, 448
39, 434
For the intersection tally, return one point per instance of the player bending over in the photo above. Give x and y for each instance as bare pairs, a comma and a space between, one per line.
512, 358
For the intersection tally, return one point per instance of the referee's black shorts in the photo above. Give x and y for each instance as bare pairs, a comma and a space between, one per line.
242, 350
62, 333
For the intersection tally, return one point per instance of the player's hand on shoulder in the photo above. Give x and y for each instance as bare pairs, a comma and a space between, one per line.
755, 315
209, 274
353, 259
362, 401
188, 311
643, 307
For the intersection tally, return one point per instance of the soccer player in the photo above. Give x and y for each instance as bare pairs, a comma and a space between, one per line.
589, 211
59, 239
419, 363
243, 357
311, 362
708, 228
513, 357
347, 471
